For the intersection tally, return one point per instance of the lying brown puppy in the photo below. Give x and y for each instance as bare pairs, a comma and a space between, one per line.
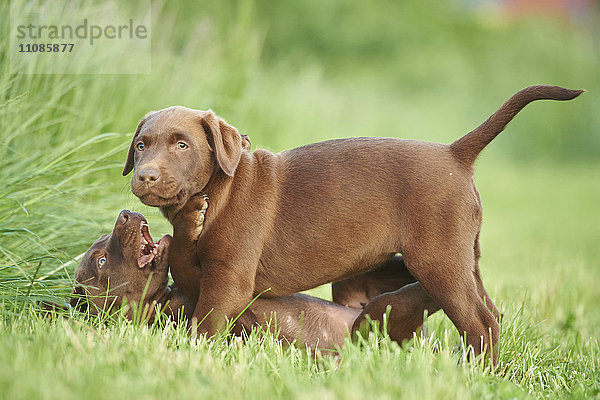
357, 291
127, 264
119, 265
367, 199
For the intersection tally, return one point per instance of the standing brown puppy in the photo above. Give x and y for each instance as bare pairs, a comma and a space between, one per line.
366, 198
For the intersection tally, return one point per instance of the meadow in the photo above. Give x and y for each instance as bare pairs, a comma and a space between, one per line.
287, 74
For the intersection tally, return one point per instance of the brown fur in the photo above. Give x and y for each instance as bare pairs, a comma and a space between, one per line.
107, 285
408, 305
389, 284
307, 320
357, 291
323, 212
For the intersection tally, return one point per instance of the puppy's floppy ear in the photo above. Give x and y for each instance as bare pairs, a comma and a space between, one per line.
226, 141
130, 155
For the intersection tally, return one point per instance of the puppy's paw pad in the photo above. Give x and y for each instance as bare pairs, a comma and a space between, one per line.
197, 202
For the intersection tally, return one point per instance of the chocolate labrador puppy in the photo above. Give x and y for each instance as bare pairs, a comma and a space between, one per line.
367, 199
128, 265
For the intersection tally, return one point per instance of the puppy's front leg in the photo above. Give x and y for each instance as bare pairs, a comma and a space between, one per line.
218, 291
184, 264
226, 289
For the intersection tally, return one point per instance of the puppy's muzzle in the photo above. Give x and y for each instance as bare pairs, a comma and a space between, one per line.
125, 216
148, 176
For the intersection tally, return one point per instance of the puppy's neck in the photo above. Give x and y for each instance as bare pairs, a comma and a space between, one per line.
169, 212
217, 190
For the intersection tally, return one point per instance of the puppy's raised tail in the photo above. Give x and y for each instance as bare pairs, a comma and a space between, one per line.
468, 147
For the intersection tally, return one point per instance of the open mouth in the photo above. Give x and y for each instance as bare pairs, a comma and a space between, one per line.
149, 250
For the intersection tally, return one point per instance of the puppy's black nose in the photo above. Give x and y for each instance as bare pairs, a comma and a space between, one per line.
148, 175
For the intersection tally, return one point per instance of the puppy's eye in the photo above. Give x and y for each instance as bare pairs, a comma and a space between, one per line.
140, 146
101, 261
182, 145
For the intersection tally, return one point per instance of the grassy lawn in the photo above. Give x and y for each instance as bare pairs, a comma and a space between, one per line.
287, 76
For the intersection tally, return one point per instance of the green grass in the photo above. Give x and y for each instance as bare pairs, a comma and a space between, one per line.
286, 75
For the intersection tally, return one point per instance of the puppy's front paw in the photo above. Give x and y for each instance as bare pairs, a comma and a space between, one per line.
190, 219
195, 203
197, 206
198, 216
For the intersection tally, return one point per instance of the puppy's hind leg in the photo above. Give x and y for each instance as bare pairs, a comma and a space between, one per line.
444, 269
359, 290
477, 277
408, 305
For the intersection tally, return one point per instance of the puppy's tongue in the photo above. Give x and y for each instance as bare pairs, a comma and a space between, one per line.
151, 250
145, 259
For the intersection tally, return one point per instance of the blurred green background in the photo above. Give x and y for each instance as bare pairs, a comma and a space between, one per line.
289, 73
